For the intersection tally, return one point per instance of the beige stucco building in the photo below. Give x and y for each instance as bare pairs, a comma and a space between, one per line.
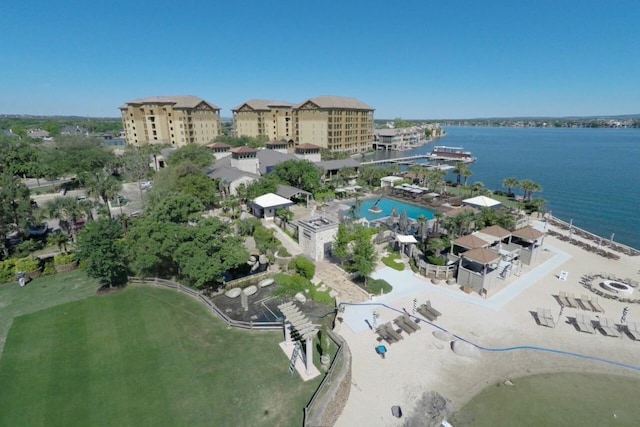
175, 120
333, 122
258, 117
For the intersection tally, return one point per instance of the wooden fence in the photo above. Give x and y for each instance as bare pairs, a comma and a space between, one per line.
265, 326
324, 396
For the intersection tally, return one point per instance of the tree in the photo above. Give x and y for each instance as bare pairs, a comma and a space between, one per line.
209, 252
67, 210
173, 207
476, 187
100, 247
299, 173
529, 187
198, 155
285, 215
304, 267
150, 245
510, 183
100, 185
78, 154
364, 253
461, 169
340, 247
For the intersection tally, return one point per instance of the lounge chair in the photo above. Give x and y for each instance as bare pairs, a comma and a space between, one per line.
543, 320
595, 304
633, 330
435, 312
410, 322
403, 325
572, 300
392, 332
608, 327
429, 312
584, 303
584, 324
384, 334
562, 296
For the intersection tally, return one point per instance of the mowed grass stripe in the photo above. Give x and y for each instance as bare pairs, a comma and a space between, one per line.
144, 356
67, 364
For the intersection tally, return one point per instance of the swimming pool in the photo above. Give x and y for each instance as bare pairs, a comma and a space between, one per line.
386, 204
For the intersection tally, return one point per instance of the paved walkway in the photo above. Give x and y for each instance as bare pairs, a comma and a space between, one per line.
406, 284
290, 244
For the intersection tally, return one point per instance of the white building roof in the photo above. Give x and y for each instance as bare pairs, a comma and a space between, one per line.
271, 200
391, 179
402, 238
481, 201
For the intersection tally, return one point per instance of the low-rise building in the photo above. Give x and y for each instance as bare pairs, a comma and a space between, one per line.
316, 236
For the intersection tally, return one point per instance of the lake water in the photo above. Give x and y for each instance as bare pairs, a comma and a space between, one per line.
588, 175
561, 399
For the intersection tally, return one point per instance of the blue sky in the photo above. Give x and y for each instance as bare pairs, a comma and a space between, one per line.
410, 59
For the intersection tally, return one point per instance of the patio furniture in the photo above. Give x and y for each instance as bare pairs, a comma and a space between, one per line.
608, 327
562, 296
594, 303
428, 311
401, 323
572, 300
633, 330
584, 324
392, 332
410, 322
545, 318
584, 303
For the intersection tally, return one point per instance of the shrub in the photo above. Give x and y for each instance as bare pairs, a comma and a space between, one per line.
62, 259
27, 264
390, 261
304, 267
7, 270
265, 239
49, 268
375, 286
283, 252
291, 284
434, 260
413, 265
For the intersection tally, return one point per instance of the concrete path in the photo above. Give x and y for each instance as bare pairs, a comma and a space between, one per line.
290, 244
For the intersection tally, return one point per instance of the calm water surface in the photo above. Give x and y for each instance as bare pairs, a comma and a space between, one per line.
588, 175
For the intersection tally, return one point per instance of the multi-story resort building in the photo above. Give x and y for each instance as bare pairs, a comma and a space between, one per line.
175, 120
258, 117
332, 122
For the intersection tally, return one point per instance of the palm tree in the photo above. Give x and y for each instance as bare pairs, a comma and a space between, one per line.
510, 183
67, 211
422, 228
438, 217
101, 186
476, 187
285, 215
529, 187
60, 240
459, 170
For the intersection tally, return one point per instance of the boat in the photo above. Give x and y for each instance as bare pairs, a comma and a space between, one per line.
455, 154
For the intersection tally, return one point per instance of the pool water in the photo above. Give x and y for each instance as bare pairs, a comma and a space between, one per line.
387, 205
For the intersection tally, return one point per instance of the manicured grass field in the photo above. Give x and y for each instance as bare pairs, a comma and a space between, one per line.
144, 357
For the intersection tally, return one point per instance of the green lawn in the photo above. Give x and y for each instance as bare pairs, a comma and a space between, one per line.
143, 356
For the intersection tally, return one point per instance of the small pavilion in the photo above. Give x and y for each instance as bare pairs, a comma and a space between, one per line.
298, 328
265, 206
530, 240
405, 243
482, 202
478, 270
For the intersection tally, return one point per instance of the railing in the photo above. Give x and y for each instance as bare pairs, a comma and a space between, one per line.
265, 326
314, 411
326, 394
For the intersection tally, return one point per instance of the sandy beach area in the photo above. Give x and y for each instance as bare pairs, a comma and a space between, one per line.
422, 362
